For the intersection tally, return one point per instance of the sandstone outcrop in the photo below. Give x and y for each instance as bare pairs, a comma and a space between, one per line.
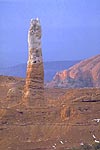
69, 113
72, 113
34, 87
84, 74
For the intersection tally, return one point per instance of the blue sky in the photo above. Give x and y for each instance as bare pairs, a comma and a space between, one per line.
70, 29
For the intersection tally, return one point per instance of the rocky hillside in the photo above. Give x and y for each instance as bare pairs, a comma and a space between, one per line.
84, 74
70, 119
50, 69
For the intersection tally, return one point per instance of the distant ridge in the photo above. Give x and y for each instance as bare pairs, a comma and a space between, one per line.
83, 74
50, 69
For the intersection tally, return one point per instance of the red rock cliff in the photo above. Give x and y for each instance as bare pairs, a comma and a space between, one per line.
84, 74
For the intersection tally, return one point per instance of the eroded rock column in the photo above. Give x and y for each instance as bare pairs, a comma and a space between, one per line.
34, 87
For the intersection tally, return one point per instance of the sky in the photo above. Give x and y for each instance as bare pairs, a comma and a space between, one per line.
70, 29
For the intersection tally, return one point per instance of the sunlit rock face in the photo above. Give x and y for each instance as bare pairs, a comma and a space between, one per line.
34, 42
83, 74
34, 87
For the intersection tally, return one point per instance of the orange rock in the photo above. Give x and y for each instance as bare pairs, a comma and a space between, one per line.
83, 74
34, 87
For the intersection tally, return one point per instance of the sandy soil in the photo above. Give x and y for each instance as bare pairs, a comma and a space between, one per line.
69, 118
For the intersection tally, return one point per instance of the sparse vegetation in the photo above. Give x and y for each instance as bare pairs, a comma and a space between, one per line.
95, 146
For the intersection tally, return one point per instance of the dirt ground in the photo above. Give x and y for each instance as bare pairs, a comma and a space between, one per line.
69, 118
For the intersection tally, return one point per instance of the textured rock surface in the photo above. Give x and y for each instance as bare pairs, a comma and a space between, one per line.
34, 87
72, 113
84, 74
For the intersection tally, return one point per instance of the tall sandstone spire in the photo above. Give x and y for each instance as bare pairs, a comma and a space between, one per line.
34, 87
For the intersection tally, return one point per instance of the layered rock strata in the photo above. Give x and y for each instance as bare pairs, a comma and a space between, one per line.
34, 87
83, 74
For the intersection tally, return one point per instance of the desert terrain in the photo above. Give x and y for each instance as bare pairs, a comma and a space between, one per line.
69, 118
86, 73
49, 87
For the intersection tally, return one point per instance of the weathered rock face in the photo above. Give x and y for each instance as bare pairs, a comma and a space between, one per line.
84, 74
34, 87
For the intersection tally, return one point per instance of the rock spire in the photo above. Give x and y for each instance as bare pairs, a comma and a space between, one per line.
34, 87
